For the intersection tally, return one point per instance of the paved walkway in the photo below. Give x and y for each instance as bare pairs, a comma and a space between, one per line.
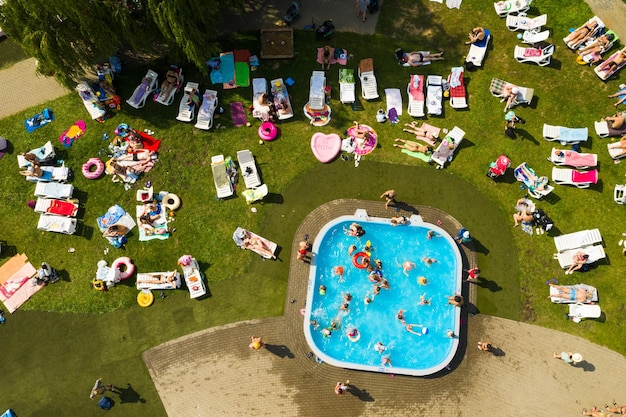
213, 372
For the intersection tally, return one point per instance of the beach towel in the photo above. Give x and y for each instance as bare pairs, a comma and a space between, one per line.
585, 176
149, 143
242, 67
455, 77
341, 58
568, 134
238, 114
39, 120
577, 160
418, 155
16, 285
227, 69
394, 101
74, 132
416, 89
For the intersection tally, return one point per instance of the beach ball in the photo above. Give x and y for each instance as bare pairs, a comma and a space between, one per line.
519, 36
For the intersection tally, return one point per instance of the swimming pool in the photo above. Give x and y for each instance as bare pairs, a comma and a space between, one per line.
410, 354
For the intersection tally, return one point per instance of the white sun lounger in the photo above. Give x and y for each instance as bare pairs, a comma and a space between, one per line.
142, 92
478, 50
393, 97
577, 240
565, 157
56, 207
434, 95
147, 281
248, 169
595, 252
268, 243
605, 72
369, 86
592, 294
575, 45
497, 86
193, 279
169, 99
44, 154
579, 179
579, 311
259, 87
57, 224
537, 186
415, 92
255, 194
51, 174
533, 37
458, 94
317, 95
619, 193
445, 151
187, 112
207, 110
537, 56
347, 85
53, 190
223, 184
281, 99
90, 100
565, 135
522, 22
604, 130
507, 7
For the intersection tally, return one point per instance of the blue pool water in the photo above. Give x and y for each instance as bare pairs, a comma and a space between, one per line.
377, 321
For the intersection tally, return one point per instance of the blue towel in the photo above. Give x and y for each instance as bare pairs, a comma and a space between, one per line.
482, 43
227, 68
568, 135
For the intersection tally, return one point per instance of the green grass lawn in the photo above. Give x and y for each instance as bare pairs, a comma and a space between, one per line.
72, 333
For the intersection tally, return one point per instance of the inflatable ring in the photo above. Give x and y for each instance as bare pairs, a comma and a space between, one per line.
129, 266
171, 201
95, 173
356, 337
268, 131
98, 285
145, 298
358, 258
581, 61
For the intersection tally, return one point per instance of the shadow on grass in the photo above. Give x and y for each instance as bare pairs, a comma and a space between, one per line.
129, 395
487, 284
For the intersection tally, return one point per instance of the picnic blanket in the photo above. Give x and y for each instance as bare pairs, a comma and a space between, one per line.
227, 68
418, 155
340, 56
160, 226
242, 67
16, 285
238, 114
39, 120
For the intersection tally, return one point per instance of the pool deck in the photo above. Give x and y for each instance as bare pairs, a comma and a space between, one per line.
214, 373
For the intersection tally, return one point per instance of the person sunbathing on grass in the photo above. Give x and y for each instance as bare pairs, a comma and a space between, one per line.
579, 295
327, 56
415, 59
413, 146
420, 133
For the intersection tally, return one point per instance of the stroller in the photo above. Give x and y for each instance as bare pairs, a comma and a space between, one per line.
325, 30
498, 167
292, 12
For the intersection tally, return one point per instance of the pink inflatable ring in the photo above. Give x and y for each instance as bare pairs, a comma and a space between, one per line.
125, 266
268, 131
90, 172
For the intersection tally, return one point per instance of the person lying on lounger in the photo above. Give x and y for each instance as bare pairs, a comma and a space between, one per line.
598, 46
578, 260
171, 81
476, 35
33, 170
256, 244
413, 146
420, 134
616, 121
621, 94
415, 59
621, 145
194, 99
579, 295
609, 66
159, 278
511, 94
582, 33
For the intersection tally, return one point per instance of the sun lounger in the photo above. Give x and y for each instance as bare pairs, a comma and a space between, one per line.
90, 100
537, 186
186, 112
537, 56
565, 135
51, 174
457, 88
168, 99
193, 279
239, 235
53, 190
577, 240
415, 91
533, 37
255, 194
259, 87
579, 179
573, 159
45, 156
619, 193
317, 95
574, 45
207, 110
592, 294
477, 51
57, 224
281, 99
434, 96
595, 57
522, 22
617, 150
142, 92
56, 207
393, 97
151, 280
605, 71
347, 85
497, 86
248, 169
507, 7
445, 151
579, 311
604, 130
221, 177
369, 86
595, 252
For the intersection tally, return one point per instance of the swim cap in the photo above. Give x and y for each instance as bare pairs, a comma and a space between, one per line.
515, 90
466, 235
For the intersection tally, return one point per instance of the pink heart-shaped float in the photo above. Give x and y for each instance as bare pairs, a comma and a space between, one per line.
325, 147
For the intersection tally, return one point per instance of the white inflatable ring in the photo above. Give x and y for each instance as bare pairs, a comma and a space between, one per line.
129, 266
268, 131
171, 202
99, 168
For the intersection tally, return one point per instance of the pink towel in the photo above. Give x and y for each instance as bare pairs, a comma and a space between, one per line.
532, 52
586, 176
340, 61
576, 159
416, 87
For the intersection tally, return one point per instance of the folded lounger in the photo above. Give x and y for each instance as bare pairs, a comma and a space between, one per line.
497, 86
142, 92
605, 70
57, 224
255, 194
56, 207
347, 86
565, 135
579, 311
507, 7
592, 294
573, 159
281, 99
207, 110
393, 97
248, 169
45, 156
595, 252
457, 88
186, 112
415, 91
434, 96
223, 184
445, 151
53, 190
579, 179
599, 25
533, 37
239, 235
577, 240
537, 56
604, 130
369, 86
478, 50
90, 100
151, 280
259, 87
168, 99
317, 95
537, 187
522, 22
619, 193
193, 279
51, 174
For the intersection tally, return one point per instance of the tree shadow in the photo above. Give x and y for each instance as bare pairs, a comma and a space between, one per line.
281, 351
362, 394
129, 395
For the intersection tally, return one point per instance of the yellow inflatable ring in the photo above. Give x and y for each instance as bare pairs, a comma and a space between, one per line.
145, 298
171, 202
